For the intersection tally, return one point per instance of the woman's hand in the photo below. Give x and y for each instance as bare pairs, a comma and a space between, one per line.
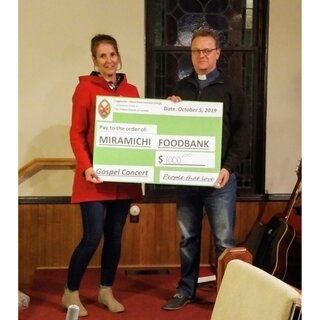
91, 176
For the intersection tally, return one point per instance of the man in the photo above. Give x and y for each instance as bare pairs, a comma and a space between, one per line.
207, 83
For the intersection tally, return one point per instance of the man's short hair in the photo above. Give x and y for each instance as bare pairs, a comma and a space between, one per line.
206, 32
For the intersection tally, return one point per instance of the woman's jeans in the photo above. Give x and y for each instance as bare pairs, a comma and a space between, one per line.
219, 205
105, 218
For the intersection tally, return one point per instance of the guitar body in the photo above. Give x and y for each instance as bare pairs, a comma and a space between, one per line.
269, 241
272, 254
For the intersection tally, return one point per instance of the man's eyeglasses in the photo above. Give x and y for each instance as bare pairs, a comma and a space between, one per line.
206, 51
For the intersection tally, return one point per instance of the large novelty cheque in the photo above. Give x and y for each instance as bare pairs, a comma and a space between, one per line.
157, 141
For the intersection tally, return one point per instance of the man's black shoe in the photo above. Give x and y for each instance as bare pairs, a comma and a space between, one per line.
177, 302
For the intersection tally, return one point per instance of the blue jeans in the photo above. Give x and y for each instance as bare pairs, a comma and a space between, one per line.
219, 206
107, 219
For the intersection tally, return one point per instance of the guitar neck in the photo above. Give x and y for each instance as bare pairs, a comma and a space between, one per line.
294, 195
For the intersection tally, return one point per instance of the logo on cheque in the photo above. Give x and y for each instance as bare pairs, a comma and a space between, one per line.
104, 108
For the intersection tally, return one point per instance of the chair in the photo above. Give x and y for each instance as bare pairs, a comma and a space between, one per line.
249, 293
229, 254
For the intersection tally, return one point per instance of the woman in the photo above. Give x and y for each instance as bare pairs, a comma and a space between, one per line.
104, 205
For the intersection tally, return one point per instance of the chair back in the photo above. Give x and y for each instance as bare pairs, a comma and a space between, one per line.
249, 293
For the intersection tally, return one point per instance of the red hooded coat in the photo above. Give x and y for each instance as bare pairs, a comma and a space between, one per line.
82, 136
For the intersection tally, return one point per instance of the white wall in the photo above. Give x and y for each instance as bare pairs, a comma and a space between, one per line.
54, 49
283, 150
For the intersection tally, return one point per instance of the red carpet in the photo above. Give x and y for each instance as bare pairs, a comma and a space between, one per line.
142, 295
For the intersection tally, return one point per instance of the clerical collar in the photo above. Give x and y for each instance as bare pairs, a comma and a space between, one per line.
202, 76
205, 79
210, 76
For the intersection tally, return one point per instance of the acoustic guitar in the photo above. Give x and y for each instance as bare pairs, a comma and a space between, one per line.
269, 243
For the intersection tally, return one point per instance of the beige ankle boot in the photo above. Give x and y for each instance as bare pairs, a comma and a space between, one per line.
72, 297
107, 299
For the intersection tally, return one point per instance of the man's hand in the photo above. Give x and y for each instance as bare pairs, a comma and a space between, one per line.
223, 178
174, 98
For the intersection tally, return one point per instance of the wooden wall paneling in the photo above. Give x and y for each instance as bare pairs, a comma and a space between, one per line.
48, 233
147, 252
167, 235
247, 214
153, 240
28, 249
